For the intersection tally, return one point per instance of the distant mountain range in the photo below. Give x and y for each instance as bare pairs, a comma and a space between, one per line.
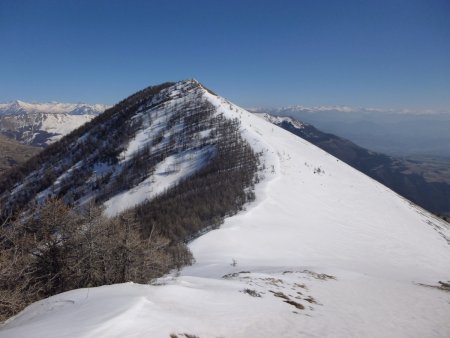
39, 124
399, 132
349, 109
19, 107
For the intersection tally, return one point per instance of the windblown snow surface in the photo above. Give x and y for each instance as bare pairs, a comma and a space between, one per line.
324, 251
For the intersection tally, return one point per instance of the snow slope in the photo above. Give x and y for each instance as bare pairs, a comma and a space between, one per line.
324, 251
167, 173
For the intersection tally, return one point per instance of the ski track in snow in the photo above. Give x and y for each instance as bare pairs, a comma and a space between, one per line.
344, 247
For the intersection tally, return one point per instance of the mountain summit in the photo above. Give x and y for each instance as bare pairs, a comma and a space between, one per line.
308, 245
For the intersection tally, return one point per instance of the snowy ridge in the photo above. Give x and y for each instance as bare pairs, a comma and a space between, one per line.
324, 251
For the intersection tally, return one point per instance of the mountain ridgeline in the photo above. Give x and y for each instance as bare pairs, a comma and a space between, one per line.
163, 160
391, 171
93, 162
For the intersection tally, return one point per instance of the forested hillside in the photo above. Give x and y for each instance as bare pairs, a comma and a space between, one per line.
118, 199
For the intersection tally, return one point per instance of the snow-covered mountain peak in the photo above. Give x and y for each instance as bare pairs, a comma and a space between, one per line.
21, 107
323, 250
41, 124
17, 103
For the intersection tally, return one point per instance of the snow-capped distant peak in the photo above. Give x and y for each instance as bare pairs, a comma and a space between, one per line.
280, 119
21, 107
345, 109
40, 124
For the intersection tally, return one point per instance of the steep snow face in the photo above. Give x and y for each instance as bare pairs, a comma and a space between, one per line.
324, 251
41, 124
343, 217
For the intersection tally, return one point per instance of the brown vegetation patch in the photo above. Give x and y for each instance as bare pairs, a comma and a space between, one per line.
321, 276
443, 286
287, 300
251, 292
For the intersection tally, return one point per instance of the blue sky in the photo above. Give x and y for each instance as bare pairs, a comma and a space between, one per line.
257, 53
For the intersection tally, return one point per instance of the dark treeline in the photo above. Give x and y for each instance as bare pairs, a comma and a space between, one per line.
60, 249
219, 189
194, 116
62, 244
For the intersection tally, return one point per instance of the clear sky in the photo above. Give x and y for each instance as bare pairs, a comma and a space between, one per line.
382, 53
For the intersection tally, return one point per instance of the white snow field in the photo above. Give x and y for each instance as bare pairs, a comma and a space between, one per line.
324, 251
